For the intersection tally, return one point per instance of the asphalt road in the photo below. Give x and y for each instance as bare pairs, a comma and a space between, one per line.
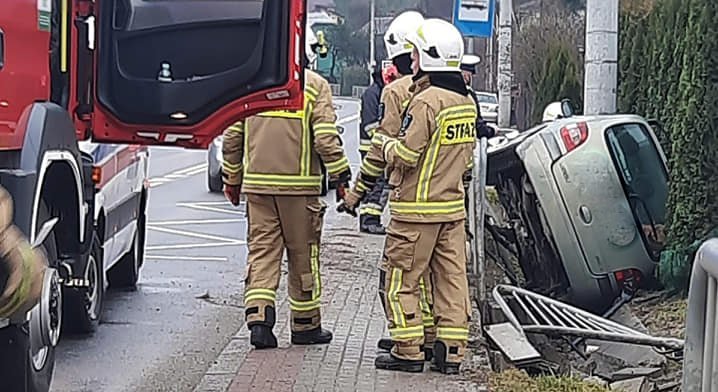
164, 336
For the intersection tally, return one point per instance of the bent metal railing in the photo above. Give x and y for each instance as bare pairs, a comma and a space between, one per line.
700, 362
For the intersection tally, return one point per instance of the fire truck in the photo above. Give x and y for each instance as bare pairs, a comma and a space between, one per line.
142, 72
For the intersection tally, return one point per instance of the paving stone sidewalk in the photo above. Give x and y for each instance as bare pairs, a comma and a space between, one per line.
351, 309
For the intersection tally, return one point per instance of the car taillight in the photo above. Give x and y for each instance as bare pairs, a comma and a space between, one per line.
574, 135
96, 175
628, 279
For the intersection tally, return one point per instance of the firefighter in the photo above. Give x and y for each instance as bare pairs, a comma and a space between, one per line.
22, 268
433, 150
375, 200
395, 98
275, 158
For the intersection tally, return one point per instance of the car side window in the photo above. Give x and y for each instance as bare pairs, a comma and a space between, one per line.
644, 179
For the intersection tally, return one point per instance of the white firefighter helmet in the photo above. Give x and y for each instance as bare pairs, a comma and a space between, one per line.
311, 44
440, 46
557, 110
399, 28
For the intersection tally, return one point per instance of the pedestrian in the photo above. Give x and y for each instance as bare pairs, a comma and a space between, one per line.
375, 199
274, 158
429, 157
394, 100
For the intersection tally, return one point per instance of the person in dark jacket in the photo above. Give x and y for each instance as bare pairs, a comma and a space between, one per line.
376, 198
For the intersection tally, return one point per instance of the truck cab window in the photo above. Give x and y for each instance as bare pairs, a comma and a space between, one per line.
644, 180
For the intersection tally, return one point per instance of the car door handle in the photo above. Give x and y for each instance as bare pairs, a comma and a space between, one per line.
2, 48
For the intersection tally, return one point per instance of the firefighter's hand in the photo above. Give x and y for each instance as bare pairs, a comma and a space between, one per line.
231, 192
350, 203
26, 269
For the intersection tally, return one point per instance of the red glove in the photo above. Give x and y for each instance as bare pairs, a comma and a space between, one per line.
231, 192
389, 74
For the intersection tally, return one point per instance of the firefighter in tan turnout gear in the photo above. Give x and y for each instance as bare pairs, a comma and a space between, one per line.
21, 267
275, 158
429, 157
394, 100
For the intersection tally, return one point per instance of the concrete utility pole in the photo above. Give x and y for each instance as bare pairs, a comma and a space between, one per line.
504, 82
372, 38
601, 56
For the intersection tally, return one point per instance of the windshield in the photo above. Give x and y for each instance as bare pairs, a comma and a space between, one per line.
645, 180
486, 98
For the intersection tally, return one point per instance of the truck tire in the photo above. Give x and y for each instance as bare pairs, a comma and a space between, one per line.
214, 184
83, 308
40, 359
126, 272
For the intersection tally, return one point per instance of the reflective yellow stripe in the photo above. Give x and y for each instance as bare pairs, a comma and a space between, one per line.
314, 264
260, 294
406, 333
378, 139
370, 211
405, 103
294, 115
232, 168
455, 111
304, 306
311, 91
282, 180
427, 316
364, 148
362, 187
306, 154
325, 129
427, 168
393, 297
408, 155
371, 169
428, 208
337, 166
63, 37
450, 333
236, 128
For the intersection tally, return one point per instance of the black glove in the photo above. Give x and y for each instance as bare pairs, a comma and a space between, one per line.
483, 130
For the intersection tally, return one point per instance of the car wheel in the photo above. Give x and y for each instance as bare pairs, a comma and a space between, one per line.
45, 319
83, 308
126, 272
214, 183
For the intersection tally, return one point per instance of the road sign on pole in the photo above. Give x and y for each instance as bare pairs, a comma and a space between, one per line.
475, 18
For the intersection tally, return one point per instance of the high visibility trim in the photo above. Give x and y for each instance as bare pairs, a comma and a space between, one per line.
364, 148
230, 167
325, 129
371, 169
427, 208
316, 274
451, 333
393, 297
292, 115
427, 168
305, 154
311, 91
304, 306
361, 186
405, 103
282, 180
406, 333
456, 110
236, 128
365, 142
378, 139
427, 316
369, 128
337, 166
370, 211
260, 294
408, 155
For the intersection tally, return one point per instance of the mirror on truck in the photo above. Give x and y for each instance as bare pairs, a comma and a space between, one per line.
567, 108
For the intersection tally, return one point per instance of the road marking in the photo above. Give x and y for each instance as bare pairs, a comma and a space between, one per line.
194, 246
196, 222
191, 234
178, 175
185, 258
204, 207
190, 169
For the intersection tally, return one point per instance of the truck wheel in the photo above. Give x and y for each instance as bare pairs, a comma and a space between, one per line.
126, 272
214, 183
41, 354
83, 308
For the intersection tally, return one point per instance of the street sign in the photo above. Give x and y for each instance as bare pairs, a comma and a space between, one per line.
475, 18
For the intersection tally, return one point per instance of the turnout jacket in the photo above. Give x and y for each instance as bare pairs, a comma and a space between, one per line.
281, 152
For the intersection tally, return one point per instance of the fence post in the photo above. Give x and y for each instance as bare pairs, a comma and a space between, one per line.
700, 362
479, 217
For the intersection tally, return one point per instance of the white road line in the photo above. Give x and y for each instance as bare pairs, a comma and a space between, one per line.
185, 258
195, 246
212, 209
176, 176
195, 172
191, 234
196, 222
191, 169
208, 203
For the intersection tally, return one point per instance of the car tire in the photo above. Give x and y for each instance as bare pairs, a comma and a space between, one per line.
126, 272
83, 308
214, 183
40, 359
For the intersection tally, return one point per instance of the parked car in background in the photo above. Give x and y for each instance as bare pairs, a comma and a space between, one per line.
120, 174
214, 166
582, 203
489, 104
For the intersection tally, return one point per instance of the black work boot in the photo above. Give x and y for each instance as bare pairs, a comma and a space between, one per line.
386, 344
371, 224
313, 336
390, 362
440, 364
261, 335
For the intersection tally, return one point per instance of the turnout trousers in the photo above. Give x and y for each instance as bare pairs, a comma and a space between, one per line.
277, 223
413, 251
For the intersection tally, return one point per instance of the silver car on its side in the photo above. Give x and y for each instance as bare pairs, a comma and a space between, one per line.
583, 206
